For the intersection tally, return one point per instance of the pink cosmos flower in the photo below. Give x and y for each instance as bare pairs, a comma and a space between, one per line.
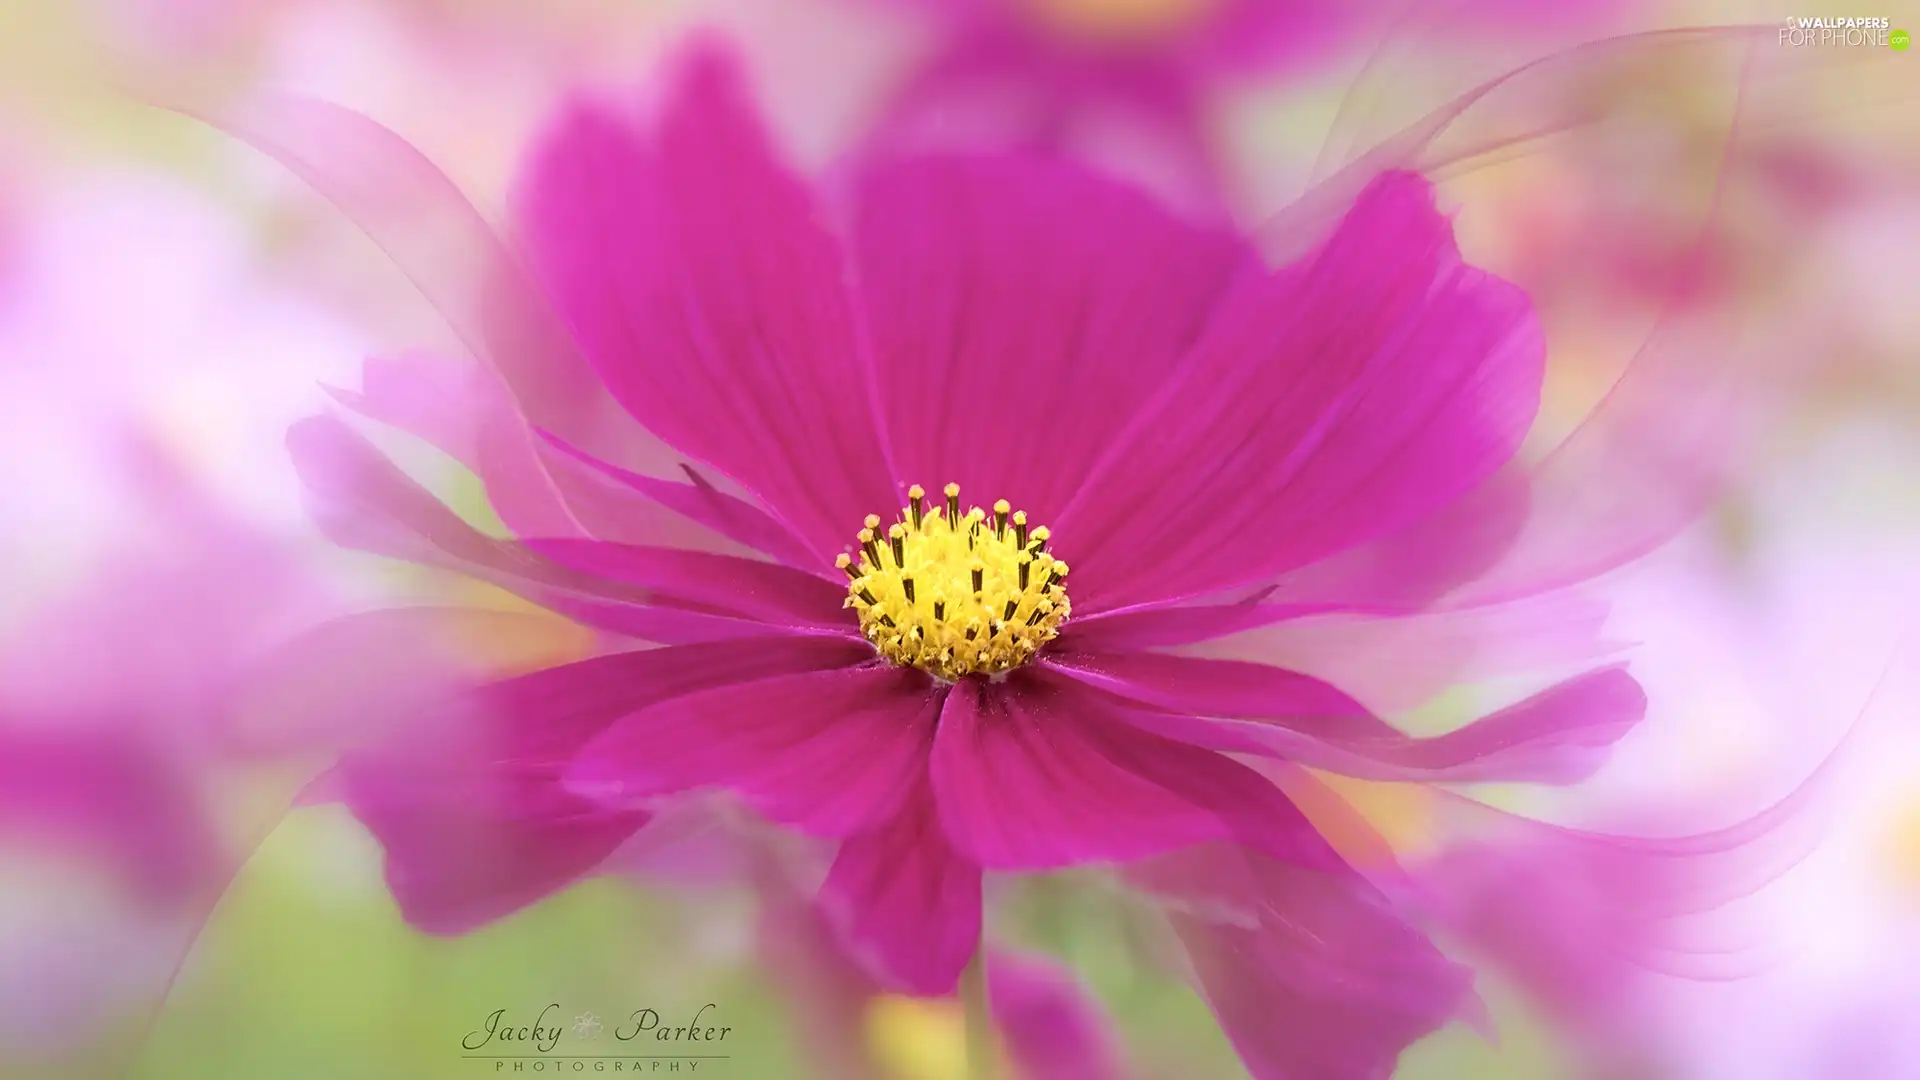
1154, 433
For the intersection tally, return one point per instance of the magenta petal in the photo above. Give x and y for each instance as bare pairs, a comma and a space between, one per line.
1327, 980
463, 410
757, 590
832, 752
443, 245
1022, 312
1052, 1027
466, 411
905, 904
1411, 569
458, 859
1330, 402
1581, 918
701, 502
362, 500
1036, 775
1156, 628
1557, 736
339, 682
467, 797
432, 398
692, 268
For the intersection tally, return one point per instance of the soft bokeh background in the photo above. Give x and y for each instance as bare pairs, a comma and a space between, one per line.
158, 278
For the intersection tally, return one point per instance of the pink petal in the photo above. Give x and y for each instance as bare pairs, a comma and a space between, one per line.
1021, 313
747, 587
362, 500
443, 245
1580, 919
1036, 774
1053, 1029
426, 396
1331, 402
465, 410
1556, 736
689, 263
1417, 567
832, 752
1399, 663
905, 904
737, 520
338, 682
1152, 628
467, 797
1326, 981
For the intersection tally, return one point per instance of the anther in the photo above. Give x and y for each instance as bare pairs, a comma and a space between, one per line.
1020, 528
1000, 510
953, 502
1026, 568
917, 504
845, 562
906, 586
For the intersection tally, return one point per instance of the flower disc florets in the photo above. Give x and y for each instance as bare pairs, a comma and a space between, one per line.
956, 593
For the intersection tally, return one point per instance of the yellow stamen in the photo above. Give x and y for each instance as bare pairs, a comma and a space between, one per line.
951, 596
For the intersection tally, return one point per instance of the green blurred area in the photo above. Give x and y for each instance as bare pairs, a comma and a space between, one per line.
307, 972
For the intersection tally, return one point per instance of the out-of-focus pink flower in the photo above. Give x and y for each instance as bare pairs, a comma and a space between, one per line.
146, 585
1132, 85
119, 714
202, 352
1121, 84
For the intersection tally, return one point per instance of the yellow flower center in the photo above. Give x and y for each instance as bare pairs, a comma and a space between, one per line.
956, 593
1120, 20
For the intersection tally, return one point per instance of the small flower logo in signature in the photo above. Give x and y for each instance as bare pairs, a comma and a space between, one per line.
586, 1025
